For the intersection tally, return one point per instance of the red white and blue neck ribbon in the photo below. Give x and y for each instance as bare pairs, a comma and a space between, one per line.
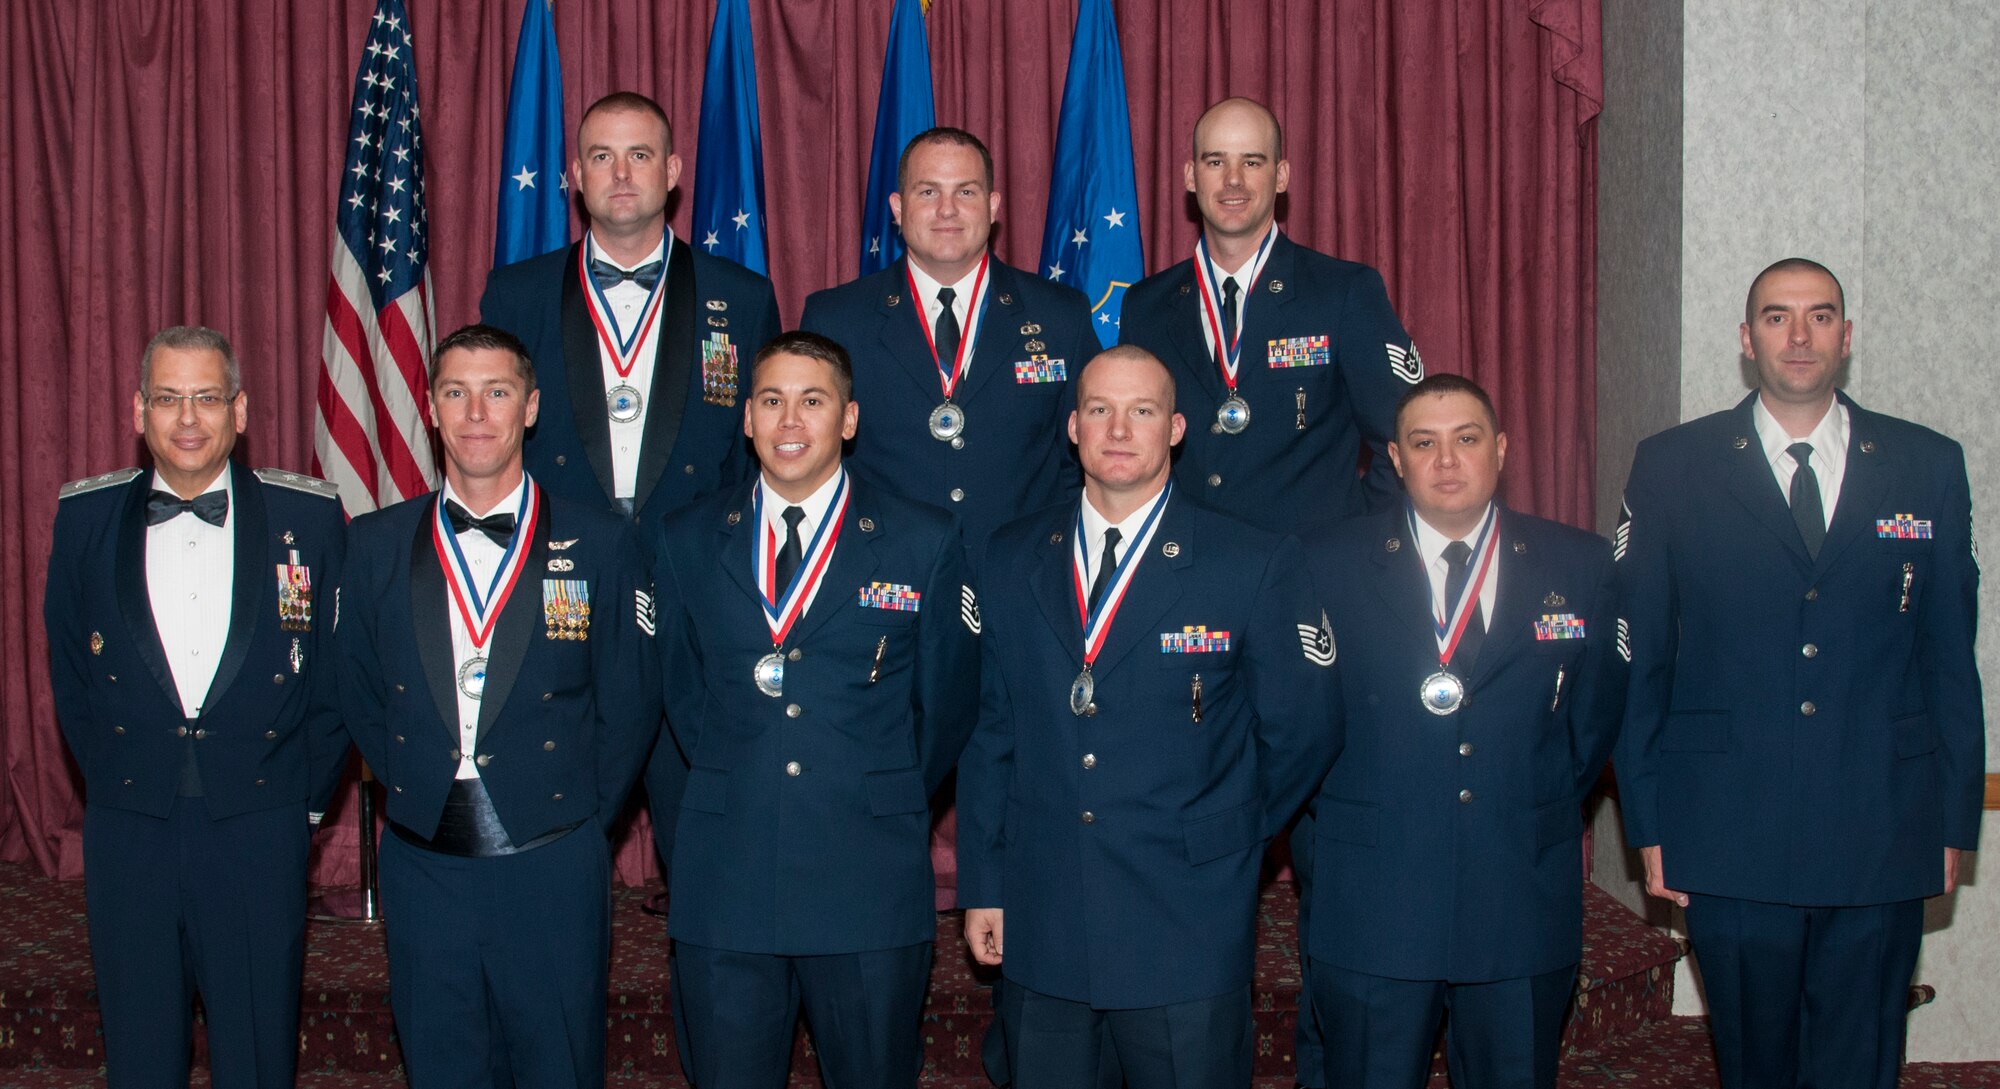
1450, 626
480, 611
783, 605
623, 350
1097, 622
1228, 352
975, 312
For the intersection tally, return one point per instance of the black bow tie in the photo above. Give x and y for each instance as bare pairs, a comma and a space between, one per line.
210, 507
607, 275
499, 528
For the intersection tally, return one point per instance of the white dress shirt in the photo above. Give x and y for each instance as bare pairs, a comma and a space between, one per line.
627, 302
1246, 278
1094, 527
1431, 545
816, 509
1829, 456
190, 576
961, 305
483, 557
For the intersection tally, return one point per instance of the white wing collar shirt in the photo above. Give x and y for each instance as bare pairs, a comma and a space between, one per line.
483, 557
627, 301
190, 573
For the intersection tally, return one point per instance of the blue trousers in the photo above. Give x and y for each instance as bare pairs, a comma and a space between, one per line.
186, 905
1801, 996
734, 1014
1503, 1034
1057, 1043
498, 966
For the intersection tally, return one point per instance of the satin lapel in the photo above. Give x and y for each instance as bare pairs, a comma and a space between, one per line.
255, 580
1751, 481
583, 364
1000, 329
1862, 484
1523, 584
1400, 581
430, 619
853, 560
1155, 586
903, 342
1184, 338
676, 367
521, 621
134, 598
1054, 585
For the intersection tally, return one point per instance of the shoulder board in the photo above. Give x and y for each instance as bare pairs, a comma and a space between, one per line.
299, 482
103, 480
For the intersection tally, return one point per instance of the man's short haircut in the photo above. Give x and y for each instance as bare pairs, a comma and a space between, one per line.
479, 337
1277, 130
811, 346
192, 338
1439, 384
634, 102
1793, 264
943, 134
1135, 354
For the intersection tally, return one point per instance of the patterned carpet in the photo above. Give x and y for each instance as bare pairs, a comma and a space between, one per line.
1621, 1033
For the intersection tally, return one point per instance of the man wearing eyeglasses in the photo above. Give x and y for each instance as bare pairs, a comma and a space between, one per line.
188, 608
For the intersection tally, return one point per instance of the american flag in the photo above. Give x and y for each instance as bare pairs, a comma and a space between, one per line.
371, 433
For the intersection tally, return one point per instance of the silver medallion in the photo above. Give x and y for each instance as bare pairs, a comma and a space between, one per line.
472, 677
1082, 693
947, 422
1441, 693
624, 402
770, 675
1234, 415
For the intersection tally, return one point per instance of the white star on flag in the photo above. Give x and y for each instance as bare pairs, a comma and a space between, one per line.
1079, 238
1116, 218
526, 178
711, 241
742, 219
1056, 273
875, 244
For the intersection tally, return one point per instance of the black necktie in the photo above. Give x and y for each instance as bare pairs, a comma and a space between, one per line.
210, 507
947, 332
499, 528
1807, 510
1105, 565
789, 556
1458, 571
1228, 313
607, 275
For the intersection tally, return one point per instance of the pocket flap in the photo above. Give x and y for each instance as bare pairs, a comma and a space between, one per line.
897, 791
1915, 735
1696, 731
1348, 822
1220, 834
707, 791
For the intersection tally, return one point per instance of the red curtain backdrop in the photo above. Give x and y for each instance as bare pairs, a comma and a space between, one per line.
171, 161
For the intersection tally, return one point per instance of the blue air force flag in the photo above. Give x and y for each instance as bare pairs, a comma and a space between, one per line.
1090, 240
534, 194
903, 110
729, 164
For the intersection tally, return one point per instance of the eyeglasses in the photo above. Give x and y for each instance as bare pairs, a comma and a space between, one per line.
206, 401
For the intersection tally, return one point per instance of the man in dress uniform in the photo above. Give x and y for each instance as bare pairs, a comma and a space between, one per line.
188, 611
1293, 360
498, 676
639, 340
1803, 748
1483, 694
964, 363
637, 336
822, 683
1158, 698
